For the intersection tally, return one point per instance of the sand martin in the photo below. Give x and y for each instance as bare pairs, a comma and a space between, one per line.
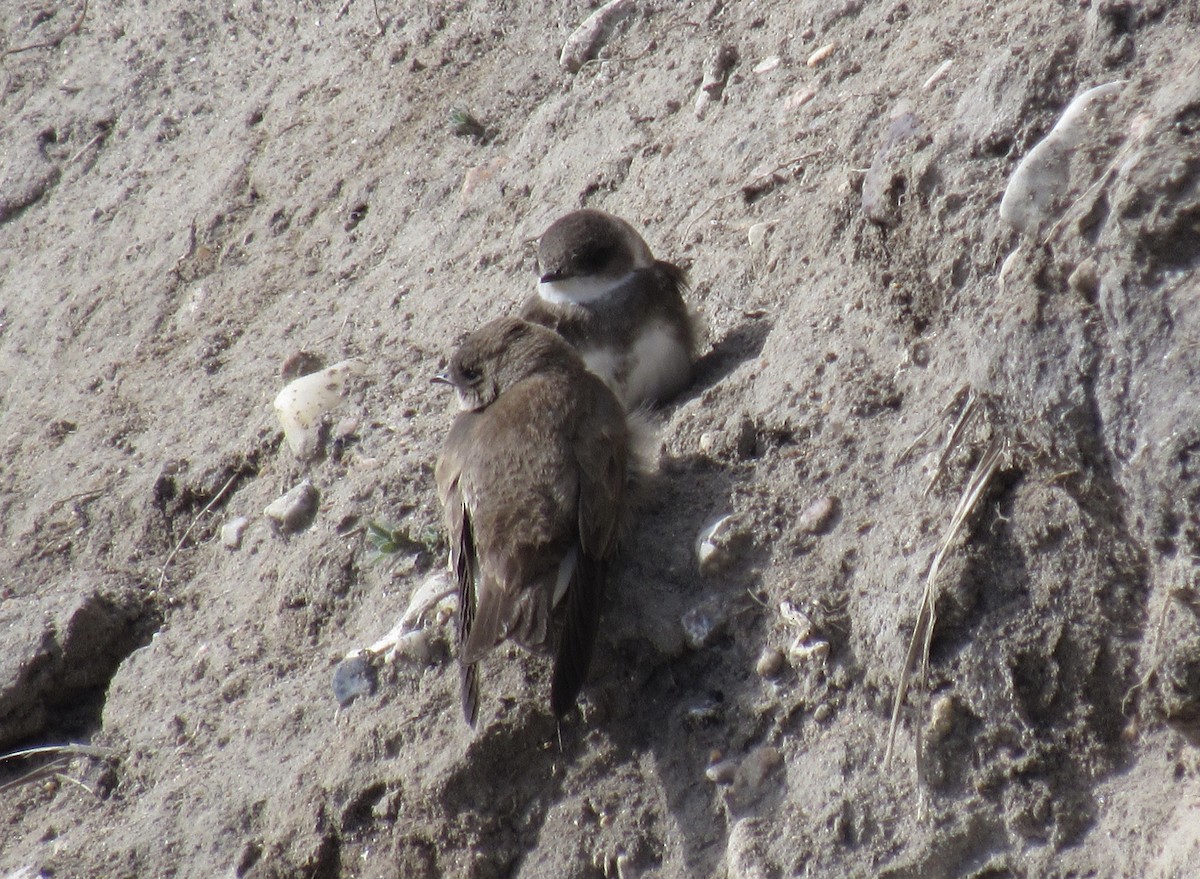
603, 291
533, 479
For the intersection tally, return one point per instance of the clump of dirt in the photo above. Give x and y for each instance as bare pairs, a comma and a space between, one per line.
192, 198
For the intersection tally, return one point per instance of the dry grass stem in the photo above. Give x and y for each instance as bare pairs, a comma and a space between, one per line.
35, 775
960, 395
217, 497
55, 768
922, 635
71, 749
54, 42
969, 410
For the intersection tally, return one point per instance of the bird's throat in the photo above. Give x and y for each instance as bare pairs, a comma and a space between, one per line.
579, 290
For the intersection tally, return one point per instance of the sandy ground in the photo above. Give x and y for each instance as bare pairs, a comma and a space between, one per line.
192, 194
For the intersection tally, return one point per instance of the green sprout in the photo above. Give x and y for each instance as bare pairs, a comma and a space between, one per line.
464, 124
386, 541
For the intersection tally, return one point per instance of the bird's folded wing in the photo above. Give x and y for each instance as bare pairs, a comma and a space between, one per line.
464, 561
602, 454
574, 656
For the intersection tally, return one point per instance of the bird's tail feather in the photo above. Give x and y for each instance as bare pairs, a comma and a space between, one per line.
578, 637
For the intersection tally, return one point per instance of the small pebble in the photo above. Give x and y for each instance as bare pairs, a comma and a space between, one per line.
820, 55
721, 772
758, 764
626, 869
822, 712
767, 64
303, 403
700, 624
346, 428
1036, 193
757, 238
354, 676
799, 622
919, 354
704, 713
417, 646
708, 441
817, 515
770, 662
718, 543
296, 509
232, 531
1085, 280
941, 717
796, 100
744, 851
587, 39
814, 651
715, 70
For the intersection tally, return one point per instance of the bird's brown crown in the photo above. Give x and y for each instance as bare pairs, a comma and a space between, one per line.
590, 243
502, 353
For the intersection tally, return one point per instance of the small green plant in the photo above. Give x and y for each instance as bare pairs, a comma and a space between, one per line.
386, 541
464, 124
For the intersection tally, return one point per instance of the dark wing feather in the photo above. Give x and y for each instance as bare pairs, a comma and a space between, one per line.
584, 599
602, 451
464, 569
674, 282
464, 559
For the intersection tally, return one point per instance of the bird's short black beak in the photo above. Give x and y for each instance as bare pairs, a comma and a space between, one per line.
441, 379
551, 277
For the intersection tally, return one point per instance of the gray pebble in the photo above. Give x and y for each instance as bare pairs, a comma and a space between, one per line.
296, 510
232, 531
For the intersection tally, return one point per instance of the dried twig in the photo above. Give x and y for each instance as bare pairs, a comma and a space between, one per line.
62, 776
87, 146
55, 41
72, 749
922, 635
62, 502
970, 407
217, 497
48, 771
959, 396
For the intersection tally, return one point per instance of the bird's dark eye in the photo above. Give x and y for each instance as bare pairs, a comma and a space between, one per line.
592, 259
471, 374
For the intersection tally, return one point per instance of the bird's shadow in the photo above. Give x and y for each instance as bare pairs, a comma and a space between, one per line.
498, 792
742, 343
665, 698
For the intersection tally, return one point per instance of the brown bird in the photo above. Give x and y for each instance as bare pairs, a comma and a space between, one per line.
603, 291
533, 479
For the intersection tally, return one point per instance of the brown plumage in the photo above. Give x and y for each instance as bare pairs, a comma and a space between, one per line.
533, 479
603, 291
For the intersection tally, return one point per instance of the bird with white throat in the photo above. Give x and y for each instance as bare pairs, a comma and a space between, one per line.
603, 291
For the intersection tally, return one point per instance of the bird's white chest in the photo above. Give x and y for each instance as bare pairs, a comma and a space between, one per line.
652, 367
